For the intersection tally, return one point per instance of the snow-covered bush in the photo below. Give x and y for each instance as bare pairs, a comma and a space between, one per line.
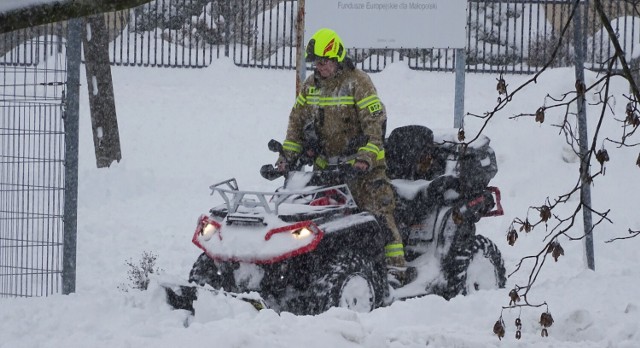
189, 23
138, 273
542, 48
272, 29
492, 27
628, 32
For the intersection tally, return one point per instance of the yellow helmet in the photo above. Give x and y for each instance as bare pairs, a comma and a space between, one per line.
325, 43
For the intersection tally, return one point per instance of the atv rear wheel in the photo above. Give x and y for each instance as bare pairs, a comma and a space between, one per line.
351, 281
470, 267
486, 269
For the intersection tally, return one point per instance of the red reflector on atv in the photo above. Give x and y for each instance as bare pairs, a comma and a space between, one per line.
498, 211
330, 197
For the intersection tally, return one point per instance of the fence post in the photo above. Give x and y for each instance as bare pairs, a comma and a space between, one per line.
227, 24
583, 140
71, 117
458, 109
301, 66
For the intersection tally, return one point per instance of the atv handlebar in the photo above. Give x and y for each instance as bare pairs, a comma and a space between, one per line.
271, 172
332, 175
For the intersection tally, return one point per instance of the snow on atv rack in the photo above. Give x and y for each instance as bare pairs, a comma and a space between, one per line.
242, 205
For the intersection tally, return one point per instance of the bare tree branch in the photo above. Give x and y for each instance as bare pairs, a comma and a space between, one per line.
561, 225
632, 234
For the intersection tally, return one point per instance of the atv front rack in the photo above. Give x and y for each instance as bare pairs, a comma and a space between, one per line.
271, 201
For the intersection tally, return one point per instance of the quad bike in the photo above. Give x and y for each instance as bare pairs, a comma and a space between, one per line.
307, 246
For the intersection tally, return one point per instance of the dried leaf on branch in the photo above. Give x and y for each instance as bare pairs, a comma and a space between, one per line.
545, 213
540, 115
513, 294
546, 320
512, 236
555, 249
461, 136
526, 226
502, 86
498, 328
632, 115
602, 156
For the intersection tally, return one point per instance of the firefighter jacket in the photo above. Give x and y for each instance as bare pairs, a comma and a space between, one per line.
344, 113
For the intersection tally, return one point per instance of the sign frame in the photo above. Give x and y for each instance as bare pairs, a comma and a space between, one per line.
390, 23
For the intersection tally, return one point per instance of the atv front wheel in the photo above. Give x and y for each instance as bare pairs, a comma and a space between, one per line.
205, 271
351, 281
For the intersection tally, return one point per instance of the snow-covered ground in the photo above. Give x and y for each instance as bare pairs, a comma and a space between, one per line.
182, 130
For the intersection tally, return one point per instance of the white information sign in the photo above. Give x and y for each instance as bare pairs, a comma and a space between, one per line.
390, 23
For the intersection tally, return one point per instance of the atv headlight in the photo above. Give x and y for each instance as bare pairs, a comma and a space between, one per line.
207, 227
208, 231
301, 233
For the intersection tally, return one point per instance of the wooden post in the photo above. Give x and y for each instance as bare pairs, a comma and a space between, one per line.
301, 65
104, 122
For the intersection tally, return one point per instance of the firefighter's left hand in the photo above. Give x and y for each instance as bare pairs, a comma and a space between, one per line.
361, 166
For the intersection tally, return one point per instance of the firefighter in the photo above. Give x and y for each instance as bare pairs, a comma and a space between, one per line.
340, 103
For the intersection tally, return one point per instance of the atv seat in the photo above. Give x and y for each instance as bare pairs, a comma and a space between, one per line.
405, 148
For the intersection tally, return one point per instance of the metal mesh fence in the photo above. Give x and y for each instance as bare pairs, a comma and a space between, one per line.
32, 143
